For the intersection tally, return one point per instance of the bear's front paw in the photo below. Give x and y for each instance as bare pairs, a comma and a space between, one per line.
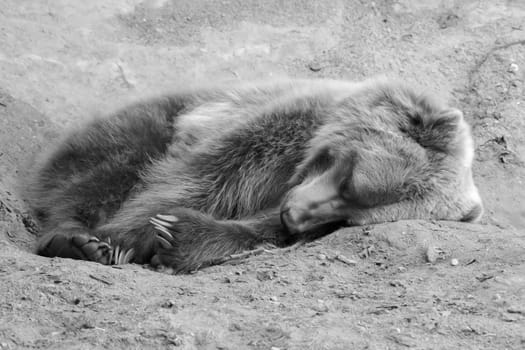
187, 240
184, 241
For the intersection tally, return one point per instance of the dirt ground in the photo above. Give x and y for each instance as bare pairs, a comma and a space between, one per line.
359, 288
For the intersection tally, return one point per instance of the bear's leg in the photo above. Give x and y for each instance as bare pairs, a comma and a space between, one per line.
187, 240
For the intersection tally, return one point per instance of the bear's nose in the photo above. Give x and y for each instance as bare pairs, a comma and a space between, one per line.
292, 219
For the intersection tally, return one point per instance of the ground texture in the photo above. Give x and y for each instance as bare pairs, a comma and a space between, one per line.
359, 288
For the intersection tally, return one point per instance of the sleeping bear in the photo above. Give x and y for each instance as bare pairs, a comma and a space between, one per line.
185, 179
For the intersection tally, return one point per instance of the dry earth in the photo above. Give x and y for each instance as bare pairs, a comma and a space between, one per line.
359, 288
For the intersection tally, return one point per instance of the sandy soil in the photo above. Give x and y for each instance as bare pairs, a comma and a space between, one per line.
359, 288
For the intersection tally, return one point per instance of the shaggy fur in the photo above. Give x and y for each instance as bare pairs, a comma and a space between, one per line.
234, 168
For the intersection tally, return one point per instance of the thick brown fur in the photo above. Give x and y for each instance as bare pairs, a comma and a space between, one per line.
234, 168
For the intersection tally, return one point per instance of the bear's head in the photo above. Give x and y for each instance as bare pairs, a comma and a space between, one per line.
386, 154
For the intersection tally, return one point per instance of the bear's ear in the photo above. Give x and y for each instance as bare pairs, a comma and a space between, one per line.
454, 114
451, 117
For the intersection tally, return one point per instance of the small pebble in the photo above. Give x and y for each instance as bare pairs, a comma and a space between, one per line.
314, 66
513, 68
347, 261
266, 275
432, 254
321, 257
168, 304
454, 262
320, 307
498, 300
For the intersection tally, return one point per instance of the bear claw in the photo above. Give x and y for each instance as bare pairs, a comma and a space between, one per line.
170, 218
164, 237
122, 256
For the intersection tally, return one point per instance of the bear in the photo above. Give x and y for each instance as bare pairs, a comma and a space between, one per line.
187, 178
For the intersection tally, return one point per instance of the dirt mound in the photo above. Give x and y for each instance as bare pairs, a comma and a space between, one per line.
23, 132
357, 288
